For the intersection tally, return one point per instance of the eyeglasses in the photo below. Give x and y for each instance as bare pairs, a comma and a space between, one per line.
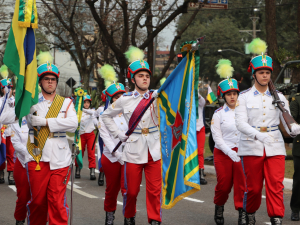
49, 79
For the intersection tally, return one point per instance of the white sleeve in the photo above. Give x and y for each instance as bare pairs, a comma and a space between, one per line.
217, 134
286, 107
17, 142
8, 114
201, 101
104, 134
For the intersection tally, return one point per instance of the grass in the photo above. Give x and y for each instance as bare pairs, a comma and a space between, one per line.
289, 165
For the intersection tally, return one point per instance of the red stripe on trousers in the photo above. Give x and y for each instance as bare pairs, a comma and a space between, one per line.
88, 139
271, 169
201, 143
48, 194
229, 174
23, 191
133, 179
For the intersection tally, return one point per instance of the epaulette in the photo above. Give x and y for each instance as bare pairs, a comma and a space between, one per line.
127, 94
245, 91
219, 109
152, 90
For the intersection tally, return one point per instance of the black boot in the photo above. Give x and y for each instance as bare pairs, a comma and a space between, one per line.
92, 174
77, 173
11, 180
20, 222
202, 179
154, 222
295, 216
101, 179
276, 220
242, 217
129, 221
2, 181
219, 218
109, 219
251, 219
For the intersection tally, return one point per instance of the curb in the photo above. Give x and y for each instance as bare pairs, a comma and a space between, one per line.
287, 182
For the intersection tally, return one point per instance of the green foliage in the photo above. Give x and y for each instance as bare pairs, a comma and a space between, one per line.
95, 99
283, 55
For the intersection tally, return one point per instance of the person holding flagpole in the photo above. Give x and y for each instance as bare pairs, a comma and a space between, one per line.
142, 148
48, 163
228, 166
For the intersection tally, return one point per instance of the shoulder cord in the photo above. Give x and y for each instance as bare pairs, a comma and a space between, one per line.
68, 108
152, 106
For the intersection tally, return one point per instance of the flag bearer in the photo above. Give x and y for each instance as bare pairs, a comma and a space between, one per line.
226, 136
47, 166
261, 145
142, 148
87, 137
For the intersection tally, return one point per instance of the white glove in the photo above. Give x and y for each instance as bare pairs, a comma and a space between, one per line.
233, 156
38, 121
122, 136
118, 155
88, 111
155, 94
295, 129
265, 138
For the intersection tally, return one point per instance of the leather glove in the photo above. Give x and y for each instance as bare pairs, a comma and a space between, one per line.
122, 136
264, 138
295, 129
155, 94
118, 155
88, 111
38, 121
233, 156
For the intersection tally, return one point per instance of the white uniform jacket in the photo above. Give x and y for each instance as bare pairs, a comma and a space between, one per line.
137, 145
7, 116
56, 150
201, 104
255, 110
19, 137
109, 141
224, 131
87, 123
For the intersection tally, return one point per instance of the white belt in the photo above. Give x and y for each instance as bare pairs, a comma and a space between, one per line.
266, 129
145, 130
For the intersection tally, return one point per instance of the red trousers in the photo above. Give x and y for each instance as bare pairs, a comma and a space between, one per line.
23, 191
256, 169
201, 143
131, 186
112, 173
229, 174
88, 139
48, 194
10, 154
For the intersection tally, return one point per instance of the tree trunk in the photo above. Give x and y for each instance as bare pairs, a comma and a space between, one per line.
270, 10
149, 26
86, 79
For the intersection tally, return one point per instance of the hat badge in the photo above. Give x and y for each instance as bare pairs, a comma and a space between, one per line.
49, 67
143, 63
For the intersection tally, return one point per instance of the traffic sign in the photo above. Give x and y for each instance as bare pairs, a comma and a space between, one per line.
70, 82
211, 4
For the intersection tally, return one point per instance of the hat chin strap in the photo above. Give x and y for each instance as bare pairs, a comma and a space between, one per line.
142, 89
258, 82
47, 91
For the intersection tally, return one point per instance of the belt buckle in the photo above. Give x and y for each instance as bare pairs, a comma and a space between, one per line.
51, 135
263, 129
145, 131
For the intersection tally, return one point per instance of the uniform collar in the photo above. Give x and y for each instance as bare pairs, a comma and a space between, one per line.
136, 94
41, 97
256, 92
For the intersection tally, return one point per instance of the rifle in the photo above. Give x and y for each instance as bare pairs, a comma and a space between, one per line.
289, 120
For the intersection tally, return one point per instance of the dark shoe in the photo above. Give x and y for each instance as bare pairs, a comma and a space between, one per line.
242, 217
295, 216
2, 181
11, 180
219, 218
276, 220
129, 221
101, 179
154, 222
110, 217
77, 173
202, 179
251, 219
92, 174
20, 222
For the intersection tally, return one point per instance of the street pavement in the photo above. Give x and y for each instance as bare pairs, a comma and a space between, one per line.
88, 199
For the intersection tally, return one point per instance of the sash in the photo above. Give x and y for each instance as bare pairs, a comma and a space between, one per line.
44, 131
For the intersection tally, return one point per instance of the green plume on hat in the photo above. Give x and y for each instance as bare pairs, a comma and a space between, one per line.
134, 54
4, 71
258, 46
108, 73
224, 68
44, 57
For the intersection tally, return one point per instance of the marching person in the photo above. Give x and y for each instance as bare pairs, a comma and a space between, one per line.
142, 148
87, 137
227, 164
47, 166
261, 145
